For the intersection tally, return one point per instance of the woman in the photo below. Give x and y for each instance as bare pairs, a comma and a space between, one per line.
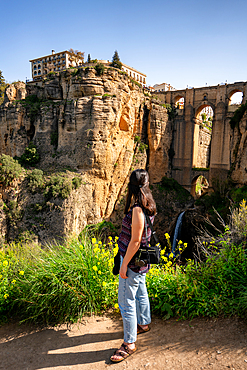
132, 292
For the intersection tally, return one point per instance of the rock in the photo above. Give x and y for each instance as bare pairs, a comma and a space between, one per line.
89, 123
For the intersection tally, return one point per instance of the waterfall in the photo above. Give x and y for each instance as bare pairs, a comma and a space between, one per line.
177, 231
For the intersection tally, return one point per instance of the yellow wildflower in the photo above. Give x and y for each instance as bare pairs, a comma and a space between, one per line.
21, 272
167, 236
5, 263
13, 281
180, 242
99, 272
100, 242
116, 238
110, 238
185, 245
104, 283
162, 252
164, 258
95, 268
6, 295
94, 277
171, 255
1, 276
169, 264
116, 306
94, 240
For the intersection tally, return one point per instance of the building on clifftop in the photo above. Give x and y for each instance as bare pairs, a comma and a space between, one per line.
54, 62
163, 87
57, 62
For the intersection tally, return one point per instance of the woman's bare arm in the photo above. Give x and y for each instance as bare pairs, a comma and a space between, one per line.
136, 237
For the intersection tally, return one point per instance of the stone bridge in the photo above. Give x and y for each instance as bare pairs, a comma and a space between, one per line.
199, 149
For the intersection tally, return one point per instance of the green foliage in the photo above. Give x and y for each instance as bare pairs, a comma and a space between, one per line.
100, 68
238, 115
36, 180
10, 169
116, 61
76, 182
171, 185
200, 169
172, 112
238, 194
58, 186
142, 146
32, 105
135, 82
89, 58
30, 157
58, 284
212, 288
13, 212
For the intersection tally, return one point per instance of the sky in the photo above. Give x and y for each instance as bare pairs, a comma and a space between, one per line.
189, 43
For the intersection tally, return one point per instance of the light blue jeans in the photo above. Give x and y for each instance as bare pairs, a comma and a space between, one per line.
133, 303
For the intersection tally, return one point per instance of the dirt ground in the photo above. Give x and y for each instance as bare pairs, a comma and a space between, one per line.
171, 345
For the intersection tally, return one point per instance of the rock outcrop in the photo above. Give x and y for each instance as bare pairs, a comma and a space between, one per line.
101, 127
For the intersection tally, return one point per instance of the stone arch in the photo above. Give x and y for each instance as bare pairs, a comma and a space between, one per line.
202, 135
179, 101
232, 93
194, 181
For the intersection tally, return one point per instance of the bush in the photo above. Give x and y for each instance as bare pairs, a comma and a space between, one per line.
13, 212
76, 182
58, 186
100, 68
59, 284
10, 169
36, 180
30, 157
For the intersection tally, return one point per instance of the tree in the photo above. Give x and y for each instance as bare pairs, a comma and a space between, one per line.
116, 61
88, 58
3, 86
76, 56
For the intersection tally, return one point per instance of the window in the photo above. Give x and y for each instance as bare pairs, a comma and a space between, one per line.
35, 73
39, 66
39, 73
35, 67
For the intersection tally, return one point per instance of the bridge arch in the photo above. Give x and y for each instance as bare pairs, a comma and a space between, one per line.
237, 93
179, 101
198, 185
203, 122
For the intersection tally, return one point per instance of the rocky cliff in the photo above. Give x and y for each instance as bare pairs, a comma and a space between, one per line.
99, 126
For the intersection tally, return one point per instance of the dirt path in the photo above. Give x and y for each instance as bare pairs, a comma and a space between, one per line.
171, 345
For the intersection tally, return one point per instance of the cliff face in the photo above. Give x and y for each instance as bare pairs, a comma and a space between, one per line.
239, 152
96, 125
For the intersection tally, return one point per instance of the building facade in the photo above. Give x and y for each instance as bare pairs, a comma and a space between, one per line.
163, 87
136, 75
54, 62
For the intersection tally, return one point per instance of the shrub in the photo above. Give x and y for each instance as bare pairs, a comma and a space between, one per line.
13, 212
36, 179
30, 156
60, 284
58, 186
76, 181
10, 169
100, 68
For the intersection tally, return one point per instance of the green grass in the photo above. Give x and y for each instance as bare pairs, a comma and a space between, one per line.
61, 283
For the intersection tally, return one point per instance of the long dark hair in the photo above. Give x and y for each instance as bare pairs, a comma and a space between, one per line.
138, 187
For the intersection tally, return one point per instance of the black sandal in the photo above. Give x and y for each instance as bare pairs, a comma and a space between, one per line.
123, 354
